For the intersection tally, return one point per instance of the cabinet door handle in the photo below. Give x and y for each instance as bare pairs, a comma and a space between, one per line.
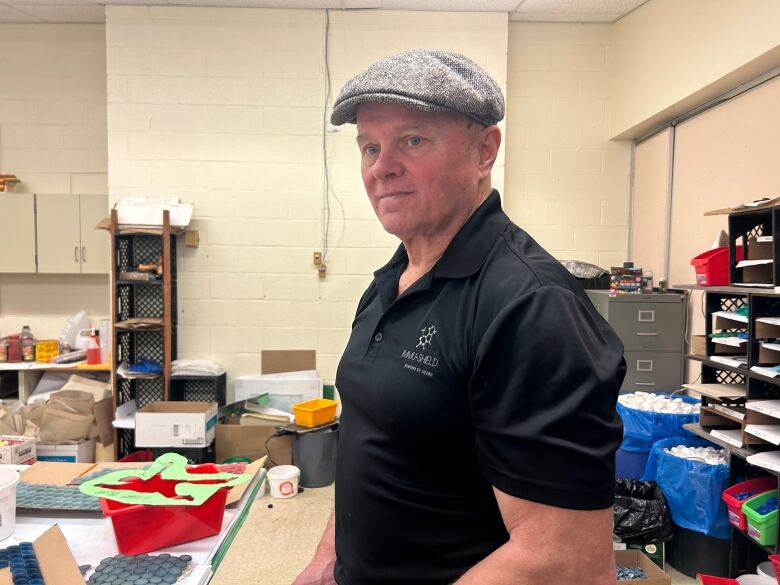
83, 253
646, 316
76, 254
647, 334
644, 365
644, 383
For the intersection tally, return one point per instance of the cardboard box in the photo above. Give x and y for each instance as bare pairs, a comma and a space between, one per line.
287, 360
287, 376
81, 452
235, 440
759, 250
175, 424
655, 551
58, 566
20, 450
699, 344
635, 558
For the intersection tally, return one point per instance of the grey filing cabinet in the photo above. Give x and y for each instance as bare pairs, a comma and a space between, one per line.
652, 329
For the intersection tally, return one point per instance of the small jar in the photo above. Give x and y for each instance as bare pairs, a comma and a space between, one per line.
28, 350
3, 351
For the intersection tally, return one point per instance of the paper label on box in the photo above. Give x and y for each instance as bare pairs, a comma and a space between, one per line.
754, 532
188, 434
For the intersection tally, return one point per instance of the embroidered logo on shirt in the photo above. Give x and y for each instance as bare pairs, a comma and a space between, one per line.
424, 341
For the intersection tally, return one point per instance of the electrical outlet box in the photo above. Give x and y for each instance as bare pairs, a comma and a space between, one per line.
322, 270
317, 258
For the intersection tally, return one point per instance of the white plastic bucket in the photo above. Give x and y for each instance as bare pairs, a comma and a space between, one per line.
766, 569
8, 481
753, 580
283, 481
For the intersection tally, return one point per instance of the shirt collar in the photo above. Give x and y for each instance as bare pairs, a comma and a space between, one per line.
469, 248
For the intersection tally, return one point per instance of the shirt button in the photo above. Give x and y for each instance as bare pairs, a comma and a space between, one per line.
378, 337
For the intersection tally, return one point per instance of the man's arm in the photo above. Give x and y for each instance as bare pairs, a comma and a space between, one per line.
320, 570
548, 546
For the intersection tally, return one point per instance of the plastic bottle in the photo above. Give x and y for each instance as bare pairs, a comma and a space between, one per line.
28, 344
93, 349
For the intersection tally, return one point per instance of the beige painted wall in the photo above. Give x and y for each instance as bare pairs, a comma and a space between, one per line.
234, 126
53, 137
650, 205
567, 183
670, 56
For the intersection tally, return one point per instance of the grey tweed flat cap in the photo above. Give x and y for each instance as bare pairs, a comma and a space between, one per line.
431, 80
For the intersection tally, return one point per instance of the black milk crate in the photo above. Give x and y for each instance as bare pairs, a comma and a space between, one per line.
194, 455
199, 388
719, 301
745, 227
133, 249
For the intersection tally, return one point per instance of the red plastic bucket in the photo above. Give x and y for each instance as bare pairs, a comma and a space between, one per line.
757, 486
139, 528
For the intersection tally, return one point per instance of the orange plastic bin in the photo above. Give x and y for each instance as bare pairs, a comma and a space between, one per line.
139, 528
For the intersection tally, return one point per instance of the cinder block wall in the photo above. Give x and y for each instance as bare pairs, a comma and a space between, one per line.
53, 137
567, 184
224, 108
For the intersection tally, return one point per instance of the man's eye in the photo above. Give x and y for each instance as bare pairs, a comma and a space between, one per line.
370, 150
414, 141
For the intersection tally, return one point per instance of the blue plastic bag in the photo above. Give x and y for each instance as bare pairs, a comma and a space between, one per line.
641, 429
692, 488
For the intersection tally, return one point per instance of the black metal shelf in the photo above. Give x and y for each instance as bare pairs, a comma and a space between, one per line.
738, 451
721, 366
139, 282
769, 549
740, 290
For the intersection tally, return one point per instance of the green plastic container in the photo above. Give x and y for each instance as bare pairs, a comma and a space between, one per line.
761, 527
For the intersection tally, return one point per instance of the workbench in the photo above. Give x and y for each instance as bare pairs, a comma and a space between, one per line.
275, 543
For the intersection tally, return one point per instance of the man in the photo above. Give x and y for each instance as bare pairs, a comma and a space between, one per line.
479, 384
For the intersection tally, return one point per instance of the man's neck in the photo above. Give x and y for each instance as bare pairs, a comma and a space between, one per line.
424, 252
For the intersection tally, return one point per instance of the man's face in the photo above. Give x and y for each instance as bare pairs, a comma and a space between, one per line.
420, 168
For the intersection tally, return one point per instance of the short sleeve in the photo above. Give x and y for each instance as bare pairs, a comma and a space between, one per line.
547, 374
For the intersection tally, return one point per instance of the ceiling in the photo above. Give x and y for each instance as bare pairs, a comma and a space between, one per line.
38, 11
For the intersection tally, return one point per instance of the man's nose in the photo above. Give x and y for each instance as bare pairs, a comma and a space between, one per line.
387, 164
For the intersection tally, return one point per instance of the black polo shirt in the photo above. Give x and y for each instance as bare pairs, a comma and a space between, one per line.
493, 369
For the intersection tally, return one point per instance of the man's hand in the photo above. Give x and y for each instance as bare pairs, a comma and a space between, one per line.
541, 549
320, 570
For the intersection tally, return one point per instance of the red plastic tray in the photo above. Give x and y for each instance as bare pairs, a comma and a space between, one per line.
758, 485
710, 580
139, 528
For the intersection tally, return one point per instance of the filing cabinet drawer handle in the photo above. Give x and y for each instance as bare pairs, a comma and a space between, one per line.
644, 383
644, 365
647, 334
646, 316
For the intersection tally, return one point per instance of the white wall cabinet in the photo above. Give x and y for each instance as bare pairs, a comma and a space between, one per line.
67, 241
17, 232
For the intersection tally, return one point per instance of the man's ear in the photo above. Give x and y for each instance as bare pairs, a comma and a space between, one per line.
488, 143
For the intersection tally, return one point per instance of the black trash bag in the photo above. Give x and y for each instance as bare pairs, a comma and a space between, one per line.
641, 513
